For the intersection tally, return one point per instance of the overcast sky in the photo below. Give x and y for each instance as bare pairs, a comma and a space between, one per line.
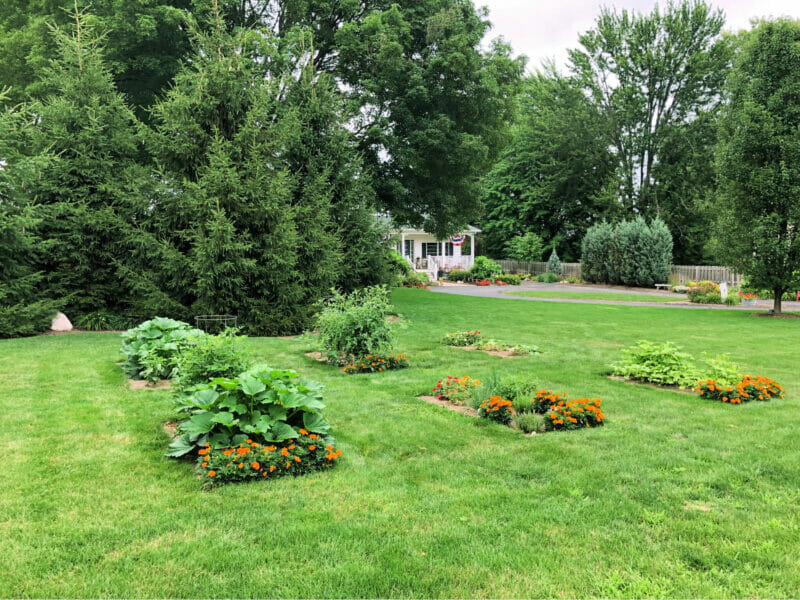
544, 29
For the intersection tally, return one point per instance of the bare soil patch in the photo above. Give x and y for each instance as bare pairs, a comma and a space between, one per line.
500, 353
171, 429
318, 356
700, 507
655, 386
395, 318
464, 410
780, 316
143, 384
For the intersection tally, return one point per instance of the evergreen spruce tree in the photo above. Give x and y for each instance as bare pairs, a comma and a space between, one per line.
554, 264
23, 308
660, 252
595, 253
89, 193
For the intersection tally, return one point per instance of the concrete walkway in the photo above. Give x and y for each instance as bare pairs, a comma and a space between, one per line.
496, 291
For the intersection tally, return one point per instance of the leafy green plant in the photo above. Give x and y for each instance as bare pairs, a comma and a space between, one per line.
546, 278
415, 279
663, 363
354, 325
152, 348
210, 356
721, 369
529, 422
524, 349
484, 268
100, 320
458, 275
458, 390
509, 279
512, 387
527, 247
263, 405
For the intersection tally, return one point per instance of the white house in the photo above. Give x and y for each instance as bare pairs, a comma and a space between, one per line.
428, 254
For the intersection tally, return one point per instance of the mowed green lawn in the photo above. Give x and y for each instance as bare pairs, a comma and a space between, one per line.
675, 496
593, 295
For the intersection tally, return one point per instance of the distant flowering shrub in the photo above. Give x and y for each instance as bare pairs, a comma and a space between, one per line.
463, 338
574, 414
376, 363
749, 388
483, 282
251, 460
457, 390
496, 409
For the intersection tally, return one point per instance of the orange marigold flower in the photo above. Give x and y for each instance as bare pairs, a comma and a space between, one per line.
242, 451
227, 452
292, 447
329, 448
312, 447
202, 451
212, 473
271, 468
255, 465
284, 452
288, 464
303, 431
296, 459
241, 465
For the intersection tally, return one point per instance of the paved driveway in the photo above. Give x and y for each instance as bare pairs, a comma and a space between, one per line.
495, 291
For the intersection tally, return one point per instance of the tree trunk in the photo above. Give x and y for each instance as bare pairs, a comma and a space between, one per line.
776, 306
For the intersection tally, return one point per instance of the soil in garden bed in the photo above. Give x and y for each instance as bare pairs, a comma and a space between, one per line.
171, 429
143, 384
500, 353
655, 386
464, 410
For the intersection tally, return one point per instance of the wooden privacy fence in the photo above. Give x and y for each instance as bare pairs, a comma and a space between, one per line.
683, 273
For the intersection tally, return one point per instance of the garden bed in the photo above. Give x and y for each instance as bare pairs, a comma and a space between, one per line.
464, 410
143, 384
500, 353
655, 386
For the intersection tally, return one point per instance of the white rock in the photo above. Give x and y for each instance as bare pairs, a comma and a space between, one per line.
61, 323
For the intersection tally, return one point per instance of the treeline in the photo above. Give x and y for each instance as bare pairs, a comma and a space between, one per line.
232, 158
629, 129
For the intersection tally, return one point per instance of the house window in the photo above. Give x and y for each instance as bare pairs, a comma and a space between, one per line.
409, 249
434, 249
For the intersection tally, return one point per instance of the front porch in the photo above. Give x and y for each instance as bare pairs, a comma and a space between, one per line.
430, 255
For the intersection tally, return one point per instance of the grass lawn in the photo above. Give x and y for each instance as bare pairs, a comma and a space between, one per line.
592, 295
673, 497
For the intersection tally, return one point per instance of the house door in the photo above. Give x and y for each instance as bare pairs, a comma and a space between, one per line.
408, 251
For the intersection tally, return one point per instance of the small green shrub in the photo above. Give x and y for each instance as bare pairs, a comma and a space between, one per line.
524, 349
210, 356
416, 279
572, 280
722, 369
398, 265
355, 325
663, 364
262, 405
526, 248
509, 279
484, 268
554, 264
458, 275
100, 320
152, 348
463, 338
704, 292
529, 422
546, 278
512, 387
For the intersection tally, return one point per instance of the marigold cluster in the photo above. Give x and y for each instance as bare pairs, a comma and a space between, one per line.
251, 460
377, 363
574, 414
455, 389
749, 388
497, 409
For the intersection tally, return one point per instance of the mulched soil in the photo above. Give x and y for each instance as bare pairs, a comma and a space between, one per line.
500, 353
655, 386
464, 410
143, 384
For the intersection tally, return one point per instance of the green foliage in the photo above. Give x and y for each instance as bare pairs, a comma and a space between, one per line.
704, 292
153, 348
663, 364
527, 248
631, 253
262, 404
416, 279
574, 414
355, 325
722, 369
100, 320
463, 338
210, 356
376, 363
546, 278
758, 203
246, 462
513, 387
458, 275
529, 422
551, 177
657, 79
554, 264
398, 265
509, 279
457, 390
484, 267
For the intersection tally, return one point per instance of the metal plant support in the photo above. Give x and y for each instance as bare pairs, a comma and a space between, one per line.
214, 324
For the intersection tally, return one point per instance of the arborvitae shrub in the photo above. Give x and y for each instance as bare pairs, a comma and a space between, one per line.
554, 264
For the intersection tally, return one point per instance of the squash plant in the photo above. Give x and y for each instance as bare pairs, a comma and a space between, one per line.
262, 404
152, 348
